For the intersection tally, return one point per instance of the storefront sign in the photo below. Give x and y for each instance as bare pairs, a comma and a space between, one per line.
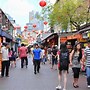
63, 39
77, 36
82, 40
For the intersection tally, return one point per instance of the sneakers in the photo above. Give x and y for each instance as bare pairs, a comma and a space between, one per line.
58, 87
88, 86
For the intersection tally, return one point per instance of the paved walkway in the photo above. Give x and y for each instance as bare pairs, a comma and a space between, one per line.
24, 79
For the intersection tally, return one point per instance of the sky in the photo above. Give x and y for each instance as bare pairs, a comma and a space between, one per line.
19, 9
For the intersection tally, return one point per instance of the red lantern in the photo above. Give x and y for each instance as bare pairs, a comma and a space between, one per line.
45, 23
25, 27
45, 32
15, 28
18, 27
41, 31
25, 30
29, 33
33, 30
34, 25
42, 3
36, 32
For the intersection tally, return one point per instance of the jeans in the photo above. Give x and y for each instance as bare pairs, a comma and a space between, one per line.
88, 71
36, 65
5, 65
22, 61
88, 75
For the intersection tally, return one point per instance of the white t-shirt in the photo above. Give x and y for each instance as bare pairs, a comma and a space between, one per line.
43, 53
4, 52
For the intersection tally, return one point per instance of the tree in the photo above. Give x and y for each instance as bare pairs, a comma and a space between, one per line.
74, 12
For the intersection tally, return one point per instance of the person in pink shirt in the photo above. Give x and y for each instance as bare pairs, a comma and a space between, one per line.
23, 55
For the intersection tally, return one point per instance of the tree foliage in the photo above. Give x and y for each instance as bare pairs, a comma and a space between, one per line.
74, 12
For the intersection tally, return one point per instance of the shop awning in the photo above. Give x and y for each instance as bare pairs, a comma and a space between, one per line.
5, 34
46, 35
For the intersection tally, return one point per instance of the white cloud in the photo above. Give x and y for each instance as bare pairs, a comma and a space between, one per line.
19, 10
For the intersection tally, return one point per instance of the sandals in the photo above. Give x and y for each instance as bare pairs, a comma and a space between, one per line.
75, 86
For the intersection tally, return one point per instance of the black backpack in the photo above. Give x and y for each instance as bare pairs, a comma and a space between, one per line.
64, 58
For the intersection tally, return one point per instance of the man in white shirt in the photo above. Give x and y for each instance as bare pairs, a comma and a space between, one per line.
5, 60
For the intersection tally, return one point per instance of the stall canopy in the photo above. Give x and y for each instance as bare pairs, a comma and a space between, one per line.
5, 34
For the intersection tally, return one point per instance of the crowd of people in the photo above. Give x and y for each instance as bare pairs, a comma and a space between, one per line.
59, 59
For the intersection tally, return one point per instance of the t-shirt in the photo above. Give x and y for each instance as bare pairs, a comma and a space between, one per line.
75, 61
54, 52
49, 50
5, 54
37, 54
87, 54
23, 51
43, 52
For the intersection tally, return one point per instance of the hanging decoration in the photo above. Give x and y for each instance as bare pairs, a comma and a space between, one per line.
18, 27
29, 33
34, 25
25, 30
45, 23
42, 3
26, 27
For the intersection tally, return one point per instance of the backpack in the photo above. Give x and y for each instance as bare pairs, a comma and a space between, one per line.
64, 59
64, 56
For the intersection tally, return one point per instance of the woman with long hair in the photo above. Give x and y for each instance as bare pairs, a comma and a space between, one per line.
63, 65
75, 62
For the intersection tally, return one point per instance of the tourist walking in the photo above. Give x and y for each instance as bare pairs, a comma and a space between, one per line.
75, 62
54, 57
23, 55
5, 60
63, 65
13, 58
43, 58
49, 50
87, 58
36, 58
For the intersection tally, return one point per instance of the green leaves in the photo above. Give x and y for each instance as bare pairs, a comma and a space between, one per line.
74, 12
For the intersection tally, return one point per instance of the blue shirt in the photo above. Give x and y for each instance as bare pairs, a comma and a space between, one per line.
37, 54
